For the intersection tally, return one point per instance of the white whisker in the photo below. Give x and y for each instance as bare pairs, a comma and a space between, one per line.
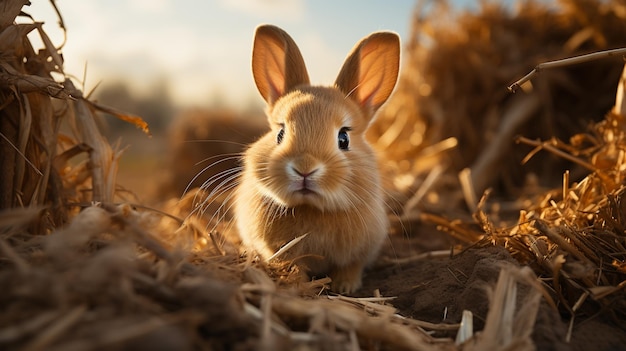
206, 169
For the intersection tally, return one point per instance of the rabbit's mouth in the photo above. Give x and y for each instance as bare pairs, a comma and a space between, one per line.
304, 185
305, 192
305, 195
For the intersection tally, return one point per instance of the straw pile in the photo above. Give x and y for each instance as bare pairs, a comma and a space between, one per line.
453, 93
575, 236
452, 90
81, 269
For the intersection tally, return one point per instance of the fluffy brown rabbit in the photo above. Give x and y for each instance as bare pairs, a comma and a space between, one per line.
314, 173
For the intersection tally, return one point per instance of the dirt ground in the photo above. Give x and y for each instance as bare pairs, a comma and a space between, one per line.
438, 290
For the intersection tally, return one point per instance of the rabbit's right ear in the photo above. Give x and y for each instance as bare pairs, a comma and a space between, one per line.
369, 74
277, 64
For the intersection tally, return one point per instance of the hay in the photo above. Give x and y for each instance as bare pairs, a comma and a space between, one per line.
114, 279
454, 86
574, 235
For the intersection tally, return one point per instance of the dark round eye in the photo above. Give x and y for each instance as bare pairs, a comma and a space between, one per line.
343, 140
280, 135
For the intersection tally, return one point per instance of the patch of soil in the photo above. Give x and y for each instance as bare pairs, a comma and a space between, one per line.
438, 290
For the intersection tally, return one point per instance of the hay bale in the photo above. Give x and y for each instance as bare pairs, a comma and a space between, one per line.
453, 84
454, 81
204, 145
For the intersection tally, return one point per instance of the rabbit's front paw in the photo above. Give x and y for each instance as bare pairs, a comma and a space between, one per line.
346, 279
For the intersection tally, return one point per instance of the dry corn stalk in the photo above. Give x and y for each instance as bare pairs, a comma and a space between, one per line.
36, 158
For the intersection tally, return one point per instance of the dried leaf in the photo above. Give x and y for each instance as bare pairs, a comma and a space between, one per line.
127, 117
9, 9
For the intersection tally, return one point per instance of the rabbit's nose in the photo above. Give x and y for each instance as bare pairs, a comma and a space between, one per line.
304, 174
305, 167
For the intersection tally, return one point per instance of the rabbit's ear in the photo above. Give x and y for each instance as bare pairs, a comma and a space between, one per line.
277, 64
370, 72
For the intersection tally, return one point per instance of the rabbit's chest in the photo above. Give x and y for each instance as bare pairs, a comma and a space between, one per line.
328, 235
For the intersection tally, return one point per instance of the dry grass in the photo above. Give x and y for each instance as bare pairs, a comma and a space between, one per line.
454, 85
80, 270
575, 235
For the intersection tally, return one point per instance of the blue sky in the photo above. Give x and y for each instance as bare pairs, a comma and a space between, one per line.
202, 48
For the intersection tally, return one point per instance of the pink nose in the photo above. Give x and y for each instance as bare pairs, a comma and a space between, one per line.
304, 175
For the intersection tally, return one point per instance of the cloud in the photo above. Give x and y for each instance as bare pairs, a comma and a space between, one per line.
292, 10
151, 6
201, 48
322, 60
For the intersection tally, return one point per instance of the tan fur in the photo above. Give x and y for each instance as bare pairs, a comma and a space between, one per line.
345, 216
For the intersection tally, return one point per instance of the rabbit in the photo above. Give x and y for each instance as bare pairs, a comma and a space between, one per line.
314, 173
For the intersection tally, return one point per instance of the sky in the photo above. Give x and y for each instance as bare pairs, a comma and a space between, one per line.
202, 49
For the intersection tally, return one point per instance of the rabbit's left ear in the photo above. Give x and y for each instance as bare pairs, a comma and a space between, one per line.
277, 64
370, 72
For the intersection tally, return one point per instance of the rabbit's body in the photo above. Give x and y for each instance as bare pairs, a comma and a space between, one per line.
314, 173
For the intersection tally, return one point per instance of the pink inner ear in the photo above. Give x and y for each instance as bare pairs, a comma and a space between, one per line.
369, 73
277, 63
366, 100
275, 74
274, 93
274, 90
367, 91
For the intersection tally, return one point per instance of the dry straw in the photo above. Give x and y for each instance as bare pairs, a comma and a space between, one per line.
454, 85
46, 125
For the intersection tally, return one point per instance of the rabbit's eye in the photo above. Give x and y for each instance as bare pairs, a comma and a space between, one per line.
279, 137
343, 140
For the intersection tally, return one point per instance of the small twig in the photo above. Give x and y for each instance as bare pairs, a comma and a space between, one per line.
620, 101
548, 147
565, 188
287, 246
565, 62
427, 325
556, 238
468, 188
425, 256
426, 185
61, 23
466, 329
487, 165
456, 230
22, 155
